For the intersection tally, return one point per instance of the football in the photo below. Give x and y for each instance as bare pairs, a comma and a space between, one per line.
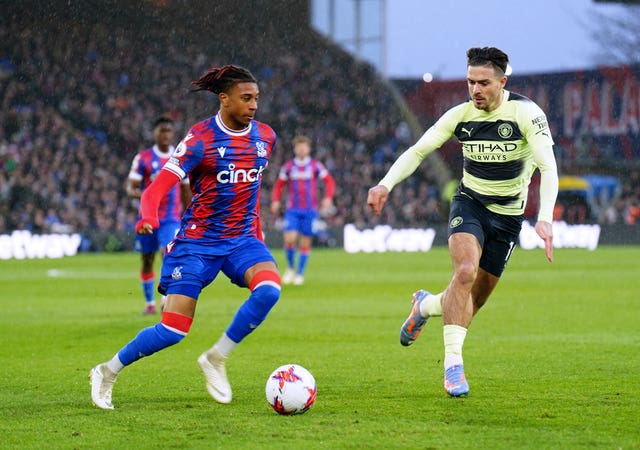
291, 389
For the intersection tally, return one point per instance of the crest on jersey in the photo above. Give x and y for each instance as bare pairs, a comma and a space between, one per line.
505, 131
262, 149
455, 222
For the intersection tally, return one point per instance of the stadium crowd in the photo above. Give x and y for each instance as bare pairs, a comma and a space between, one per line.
79, 97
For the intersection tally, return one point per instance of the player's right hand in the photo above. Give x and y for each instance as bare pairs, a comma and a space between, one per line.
377, 198
146, 226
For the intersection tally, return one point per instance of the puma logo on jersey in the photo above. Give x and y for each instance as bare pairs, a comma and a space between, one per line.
467, 131
222, 151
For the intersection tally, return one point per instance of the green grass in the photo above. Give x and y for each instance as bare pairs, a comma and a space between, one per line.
552, 360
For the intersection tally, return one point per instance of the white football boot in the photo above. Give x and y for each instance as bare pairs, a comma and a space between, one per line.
212, 364
102, 379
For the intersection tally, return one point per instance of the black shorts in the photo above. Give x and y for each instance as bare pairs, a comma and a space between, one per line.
496, 233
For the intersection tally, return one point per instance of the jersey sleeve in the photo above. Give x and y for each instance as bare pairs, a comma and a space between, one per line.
135, 172
187, 154
321, 170
284, 172
431, 140
536, 129
152, 196
276, 194
329, 185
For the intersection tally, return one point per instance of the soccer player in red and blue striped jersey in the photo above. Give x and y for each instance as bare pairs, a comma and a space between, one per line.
144, 168
224, 158
301, 175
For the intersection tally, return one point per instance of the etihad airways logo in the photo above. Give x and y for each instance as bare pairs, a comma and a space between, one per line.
234, 175
488, 147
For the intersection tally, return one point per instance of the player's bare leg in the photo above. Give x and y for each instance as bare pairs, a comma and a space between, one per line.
482, 289
457, 309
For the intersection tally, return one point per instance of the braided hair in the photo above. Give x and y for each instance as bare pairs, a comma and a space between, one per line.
484, 56
218, 80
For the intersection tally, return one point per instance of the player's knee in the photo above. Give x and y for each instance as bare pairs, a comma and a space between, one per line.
465, 273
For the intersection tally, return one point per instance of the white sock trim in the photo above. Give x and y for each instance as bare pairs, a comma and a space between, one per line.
225, 345
114, 364
432, 305
454, 336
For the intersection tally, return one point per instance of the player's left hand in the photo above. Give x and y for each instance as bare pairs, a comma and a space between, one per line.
545, 231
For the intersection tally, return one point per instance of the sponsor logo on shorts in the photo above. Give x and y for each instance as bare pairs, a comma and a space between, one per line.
455, 222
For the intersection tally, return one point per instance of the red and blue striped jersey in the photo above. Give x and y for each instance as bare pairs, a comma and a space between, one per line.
225, 171
145, 167
301, 179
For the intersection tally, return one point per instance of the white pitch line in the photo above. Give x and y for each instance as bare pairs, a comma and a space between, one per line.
95, 274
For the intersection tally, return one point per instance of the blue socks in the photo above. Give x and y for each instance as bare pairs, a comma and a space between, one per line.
304, 258
147, 342
290, 253
253, 311
147, 290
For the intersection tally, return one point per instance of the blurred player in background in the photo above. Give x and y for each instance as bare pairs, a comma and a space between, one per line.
145, 167
301, 175
504, 137
224, 157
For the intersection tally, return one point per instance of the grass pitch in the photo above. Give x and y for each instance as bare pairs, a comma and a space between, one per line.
552, 359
